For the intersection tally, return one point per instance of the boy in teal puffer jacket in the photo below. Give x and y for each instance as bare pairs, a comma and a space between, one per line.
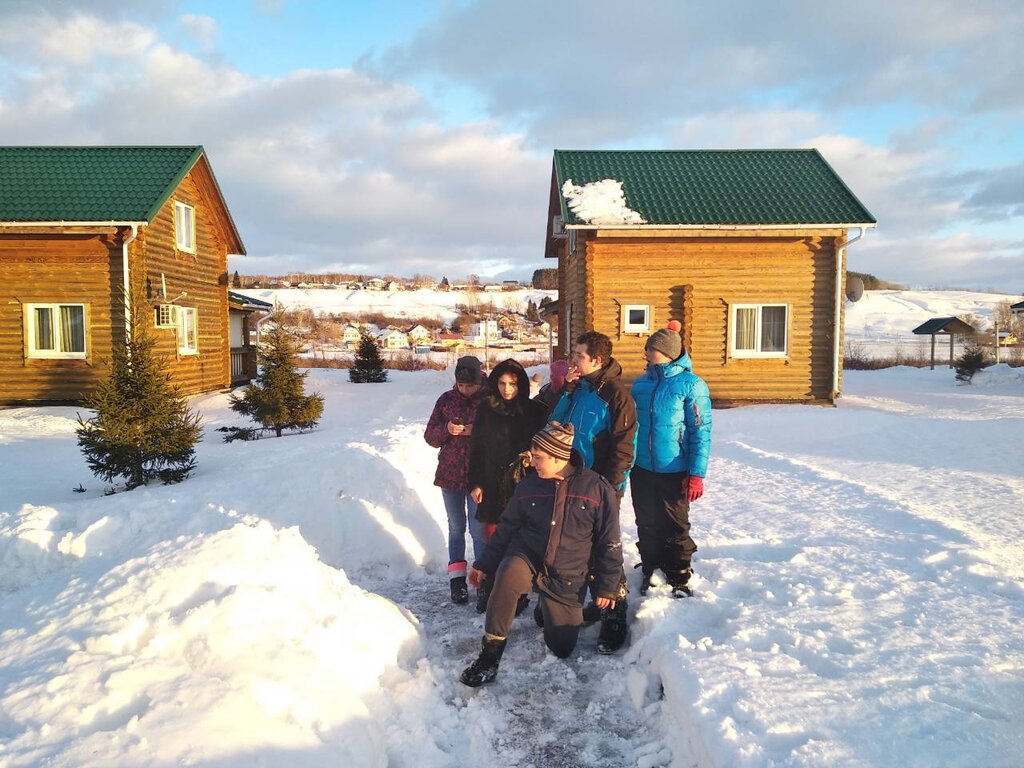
673, 408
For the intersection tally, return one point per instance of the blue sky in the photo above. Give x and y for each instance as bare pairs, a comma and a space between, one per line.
416, 137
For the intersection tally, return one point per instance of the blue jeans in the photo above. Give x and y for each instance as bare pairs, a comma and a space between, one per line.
457, 504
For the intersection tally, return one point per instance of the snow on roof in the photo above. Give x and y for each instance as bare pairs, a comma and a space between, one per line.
600, 202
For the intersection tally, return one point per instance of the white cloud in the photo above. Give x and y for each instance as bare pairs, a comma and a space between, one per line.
324, 167
203, 29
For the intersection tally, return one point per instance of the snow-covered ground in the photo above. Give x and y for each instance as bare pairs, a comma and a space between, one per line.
859, 599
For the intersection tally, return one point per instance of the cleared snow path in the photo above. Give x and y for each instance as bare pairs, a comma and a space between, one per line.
541, 711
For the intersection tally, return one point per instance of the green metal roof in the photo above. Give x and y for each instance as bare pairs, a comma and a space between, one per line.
123, 184
953, 325
708, 187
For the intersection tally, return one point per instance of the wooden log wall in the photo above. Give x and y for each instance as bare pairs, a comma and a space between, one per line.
695, 280
49, 268
202, 275
572, 297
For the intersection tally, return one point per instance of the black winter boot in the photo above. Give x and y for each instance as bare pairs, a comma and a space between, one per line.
522, 604
591, 613
645, 577
483, 594
460, 592
485, 668
613, 628
680, 581
538, 615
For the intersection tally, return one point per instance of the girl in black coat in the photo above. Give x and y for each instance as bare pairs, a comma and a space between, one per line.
506, 422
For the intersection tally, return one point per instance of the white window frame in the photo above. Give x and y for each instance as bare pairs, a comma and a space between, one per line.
184, 313
181, 210
756, 352
55, 353
640, 328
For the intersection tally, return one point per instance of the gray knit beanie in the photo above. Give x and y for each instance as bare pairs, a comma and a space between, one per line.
669, 343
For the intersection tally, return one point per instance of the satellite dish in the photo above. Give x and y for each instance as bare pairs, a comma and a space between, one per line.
854, 288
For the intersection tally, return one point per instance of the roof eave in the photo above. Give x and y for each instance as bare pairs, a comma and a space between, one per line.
66, 223
832, 225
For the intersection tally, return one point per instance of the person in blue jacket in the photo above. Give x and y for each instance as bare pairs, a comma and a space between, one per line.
673, 408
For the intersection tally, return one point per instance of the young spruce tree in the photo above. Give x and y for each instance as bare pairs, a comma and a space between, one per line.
971, 360
143, 429
276, 399
369, 367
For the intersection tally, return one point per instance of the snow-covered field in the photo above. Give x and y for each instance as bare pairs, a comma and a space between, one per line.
881, 324
859, 599
410, 304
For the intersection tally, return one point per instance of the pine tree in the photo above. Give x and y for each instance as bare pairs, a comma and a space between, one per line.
971, 360
369, 367
276, 399
236, 281
143, 429
531, 312
443, 285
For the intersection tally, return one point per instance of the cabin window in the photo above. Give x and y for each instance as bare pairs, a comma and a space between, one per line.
636, 318
188, 331
760, 330
184, 227
56, 330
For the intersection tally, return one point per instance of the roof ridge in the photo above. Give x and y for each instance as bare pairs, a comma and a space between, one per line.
100, 146
679, 151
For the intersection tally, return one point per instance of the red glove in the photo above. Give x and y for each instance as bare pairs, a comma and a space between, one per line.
694, 488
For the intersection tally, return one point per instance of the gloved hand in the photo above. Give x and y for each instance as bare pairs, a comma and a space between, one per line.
693, 488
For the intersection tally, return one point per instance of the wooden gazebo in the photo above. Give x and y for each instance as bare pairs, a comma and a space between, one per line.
949, 326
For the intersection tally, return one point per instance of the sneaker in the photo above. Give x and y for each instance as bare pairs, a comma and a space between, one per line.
460, 592
485, 668
614, 629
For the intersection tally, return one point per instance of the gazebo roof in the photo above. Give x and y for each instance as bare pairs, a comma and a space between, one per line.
950, 325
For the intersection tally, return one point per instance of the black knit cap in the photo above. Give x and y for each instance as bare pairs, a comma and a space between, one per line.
556, 440
467, 370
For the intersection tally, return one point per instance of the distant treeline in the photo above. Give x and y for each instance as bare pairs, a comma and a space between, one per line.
543, 279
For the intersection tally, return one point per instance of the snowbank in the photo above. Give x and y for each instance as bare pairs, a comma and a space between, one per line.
859, 593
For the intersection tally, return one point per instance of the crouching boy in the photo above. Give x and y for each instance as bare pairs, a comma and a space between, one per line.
561, 524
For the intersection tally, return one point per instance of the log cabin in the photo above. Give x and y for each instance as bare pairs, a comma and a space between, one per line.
745, 248
86, 230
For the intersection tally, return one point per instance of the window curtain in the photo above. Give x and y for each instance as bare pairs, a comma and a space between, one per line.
44, 328
773, 329
746, 328
72, 329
